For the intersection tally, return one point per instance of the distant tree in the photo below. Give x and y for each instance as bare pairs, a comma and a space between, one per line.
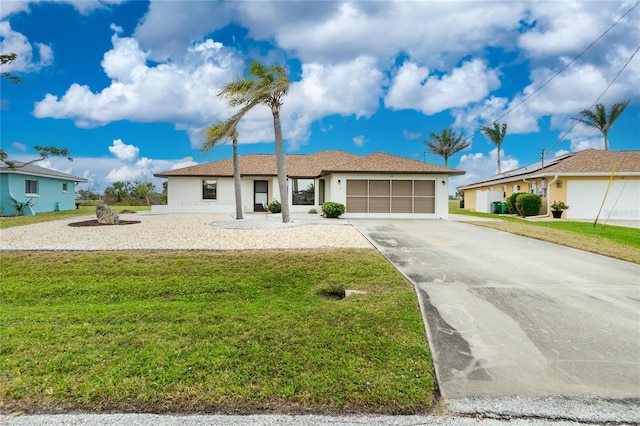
216, 134
88, 194
600, 120
7, 59
45, 152
118, 191
265, 85
446, 144
142, 191
495, 133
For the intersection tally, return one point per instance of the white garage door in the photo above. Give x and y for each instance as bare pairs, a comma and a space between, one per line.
622, 202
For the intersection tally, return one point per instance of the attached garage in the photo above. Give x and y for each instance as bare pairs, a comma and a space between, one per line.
372, 196
586, 196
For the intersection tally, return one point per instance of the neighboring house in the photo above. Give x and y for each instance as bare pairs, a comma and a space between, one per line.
376, 185
43, 189
589, 181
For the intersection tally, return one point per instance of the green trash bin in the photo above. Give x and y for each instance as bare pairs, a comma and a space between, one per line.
502, 208
495, 206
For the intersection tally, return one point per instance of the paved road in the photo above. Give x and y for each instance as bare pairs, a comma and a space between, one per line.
511, 316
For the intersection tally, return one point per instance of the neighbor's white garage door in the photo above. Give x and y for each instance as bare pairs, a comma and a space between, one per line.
622, 202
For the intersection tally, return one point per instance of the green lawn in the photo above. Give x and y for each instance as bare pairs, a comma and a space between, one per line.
614, 241
8, 222
206, 331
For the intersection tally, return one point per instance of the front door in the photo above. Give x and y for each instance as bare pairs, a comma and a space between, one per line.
260, 195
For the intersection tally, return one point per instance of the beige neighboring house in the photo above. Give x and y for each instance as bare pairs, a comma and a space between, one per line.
585, 180
373, 186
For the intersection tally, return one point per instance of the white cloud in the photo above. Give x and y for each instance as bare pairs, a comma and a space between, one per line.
124, 152
19, 146
29, 59
478, 166
414, 88
359, 141
409, 135
184, 94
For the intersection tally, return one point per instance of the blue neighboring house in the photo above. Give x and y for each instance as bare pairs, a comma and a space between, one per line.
43, 190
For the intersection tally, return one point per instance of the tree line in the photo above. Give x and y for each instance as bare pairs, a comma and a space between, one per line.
127, 193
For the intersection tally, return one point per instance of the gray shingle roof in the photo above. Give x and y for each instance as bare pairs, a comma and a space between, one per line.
22, 168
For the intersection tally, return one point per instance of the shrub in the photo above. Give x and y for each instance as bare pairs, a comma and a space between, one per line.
313, 211
275, 206
333, 210
511, 202
528, 204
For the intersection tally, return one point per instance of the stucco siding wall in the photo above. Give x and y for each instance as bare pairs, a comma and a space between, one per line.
50, 196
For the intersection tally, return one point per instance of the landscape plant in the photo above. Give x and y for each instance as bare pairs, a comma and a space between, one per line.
528, 204
333, 210
275, 206
511, 202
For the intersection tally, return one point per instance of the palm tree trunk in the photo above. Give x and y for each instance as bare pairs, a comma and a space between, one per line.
499, 163
281, 163
236, 180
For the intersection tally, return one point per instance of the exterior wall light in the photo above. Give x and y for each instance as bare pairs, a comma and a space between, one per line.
559, 184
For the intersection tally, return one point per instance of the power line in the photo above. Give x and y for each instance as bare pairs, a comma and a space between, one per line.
526, 98
563, 136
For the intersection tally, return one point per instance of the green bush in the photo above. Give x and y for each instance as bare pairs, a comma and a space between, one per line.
333, 210
275, 206
511, 202
528, 204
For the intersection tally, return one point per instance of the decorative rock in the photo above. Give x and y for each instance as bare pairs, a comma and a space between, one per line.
106, 215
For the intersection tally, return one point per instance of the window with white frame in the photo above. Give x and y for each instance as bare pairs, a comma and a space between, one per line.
532, 188
31, 187
209, 189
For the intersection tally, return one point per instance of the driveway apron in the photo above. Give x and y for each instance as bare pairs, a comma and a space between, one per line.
511, 316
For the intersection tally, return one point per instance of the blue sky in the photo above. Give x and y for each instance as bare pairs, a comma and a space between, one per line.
128, 87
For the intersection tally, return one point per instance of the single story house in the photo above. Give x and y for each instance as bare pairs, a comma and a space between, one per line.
590, 182
43, 190
376, 185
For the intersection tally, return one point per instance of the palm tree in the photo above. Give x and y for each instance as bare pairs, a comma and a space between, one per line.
496, 133
599, 119
446, 144
216, 134
266, 85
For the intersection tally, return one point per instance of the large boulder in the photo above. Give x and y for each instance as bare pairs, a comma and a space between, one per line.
106, 215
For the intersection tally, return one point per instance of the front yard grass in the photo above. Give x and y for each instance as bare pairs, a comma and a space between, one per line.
614, 241
190, 332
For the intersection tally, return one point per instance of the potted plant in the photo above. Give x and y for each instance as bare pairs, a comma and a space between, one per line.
558, 207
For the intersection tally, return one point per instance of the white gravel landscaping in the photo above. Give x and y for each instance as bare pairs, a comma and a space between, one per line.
187, 232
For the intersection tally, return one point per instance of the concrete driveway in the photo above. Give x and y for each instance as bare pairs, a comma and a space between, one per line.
512, 316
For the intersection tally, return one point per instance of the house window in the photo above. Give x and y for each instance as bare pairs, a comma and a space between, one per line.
303, 192
209, 189
31, 187
532, 187
65, 187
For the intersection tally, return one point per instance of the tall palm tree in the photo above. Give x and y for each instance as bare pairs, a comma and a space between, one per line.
216, 134
495, 133
265, 85
599, 119
446, 144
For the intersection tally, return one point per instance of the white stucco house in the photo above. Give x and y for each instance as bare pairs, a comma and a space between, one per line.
373, 186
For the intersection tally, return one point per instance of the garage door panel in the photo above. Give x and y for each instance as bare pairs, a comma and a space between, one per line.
357, 187
425, 188
401, 205
424, 205
379, 188
379, 205
357, 205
